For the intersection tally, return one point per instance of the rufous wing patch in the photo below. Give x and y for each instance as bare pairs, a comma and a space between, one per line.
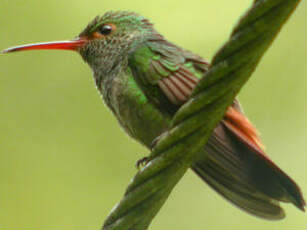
178, 86
238, 123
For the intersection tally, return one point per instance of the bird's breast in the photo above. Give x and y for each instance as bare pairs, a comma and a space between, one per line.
138, 117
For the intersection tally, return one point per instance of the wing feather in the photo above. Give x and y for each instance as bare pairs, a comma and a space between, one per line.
235, 165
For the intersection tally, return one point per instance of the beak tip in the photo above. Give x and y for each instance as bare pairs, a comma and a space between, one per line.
9, 50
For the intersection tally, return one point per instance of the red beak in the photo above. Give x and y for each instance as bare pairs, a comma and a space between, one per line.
58, 45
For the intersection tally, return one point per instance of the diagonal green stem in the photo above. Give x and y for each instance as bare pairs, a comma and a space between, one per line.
192, 125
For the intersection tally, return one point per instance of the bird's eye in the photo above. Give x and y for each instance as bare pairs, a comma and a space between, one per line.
103, 31
106, 29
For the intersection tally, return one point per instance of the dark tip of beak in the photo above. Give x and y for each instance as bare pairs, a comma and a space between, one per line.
4, 51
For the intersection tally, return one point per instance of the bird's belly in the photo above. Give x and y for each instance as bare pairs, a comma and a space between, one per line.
138, 117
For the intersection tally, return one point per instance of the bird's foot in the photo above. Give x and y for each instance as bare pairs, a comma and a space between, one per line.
154, 142
142, 162
157, 139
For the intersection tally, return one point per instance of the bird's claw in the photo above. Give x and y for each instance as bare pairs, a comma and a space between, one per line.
154, 142
157, 139
142, 162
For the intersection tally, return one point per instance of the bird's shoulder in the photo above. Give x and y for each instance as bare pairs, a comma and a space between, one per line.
174, 70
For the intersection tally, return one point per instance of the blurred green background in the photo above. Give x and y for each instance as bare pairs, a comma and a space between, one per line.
64, 160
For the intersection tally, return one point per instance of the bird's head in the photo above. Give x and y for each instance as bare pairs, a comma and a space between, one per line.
106, 40
111, 37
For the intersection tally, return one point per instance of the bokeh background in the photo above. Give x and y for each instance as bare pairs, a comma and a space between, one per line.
64, 160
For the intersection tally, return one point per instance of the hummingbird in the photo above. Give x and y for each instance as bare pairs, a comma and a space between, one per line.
144, 79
